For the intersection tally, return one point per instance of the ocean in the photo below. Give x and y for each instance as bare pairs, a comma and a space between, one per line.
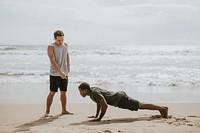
101, 64
159, 74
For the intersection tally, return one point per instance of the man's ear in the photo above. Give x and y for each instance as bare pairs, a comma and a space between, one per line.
87, 91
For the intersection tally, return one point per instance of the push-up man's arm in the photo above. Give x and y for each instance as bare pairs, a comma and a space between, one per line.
102, 105
97, 112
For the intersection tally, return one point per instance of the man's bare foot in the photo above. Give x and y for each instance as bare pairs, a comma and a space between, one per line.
48, 115
165, 111
67, 113
162, 112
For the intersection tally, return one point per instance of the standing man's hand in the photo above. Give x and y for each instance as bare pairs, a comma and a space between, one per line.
62, 75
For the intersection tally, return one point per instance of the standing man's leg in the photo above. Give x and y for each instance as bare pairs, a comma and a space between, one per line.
63, 96
162, 109
63, 100
53, 90
49, 101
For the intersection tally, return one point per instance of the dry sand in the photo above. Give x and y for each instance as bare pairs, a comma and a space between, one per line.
27, 118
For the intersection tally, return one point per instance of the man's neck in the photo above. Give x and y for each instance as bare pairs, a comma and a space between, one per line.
58, 44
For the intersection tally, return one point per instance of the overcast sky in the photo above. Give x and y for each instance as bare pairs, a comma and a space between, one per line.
160, 22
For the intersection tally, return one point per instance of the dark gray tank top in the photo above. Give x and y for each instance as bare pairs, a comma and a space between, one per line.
60, 53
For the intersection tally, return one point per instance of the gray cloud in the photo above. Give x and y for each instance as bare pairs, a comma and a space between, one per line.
101, 21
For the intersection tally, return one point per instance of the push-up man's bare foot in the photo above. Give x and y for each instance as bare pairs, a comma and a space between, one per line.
165, 112
162, 112
67, 113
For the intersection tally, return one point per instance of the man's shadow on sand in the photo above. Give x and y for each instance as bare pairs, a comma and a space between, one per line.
43, 120
118, 120
39, 122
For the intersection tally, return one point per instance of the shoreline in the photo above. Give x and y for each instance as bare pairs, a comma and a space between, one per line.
37, 93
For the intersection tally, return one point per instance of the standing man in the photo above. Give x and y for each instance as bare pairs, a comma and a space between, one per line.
60, 67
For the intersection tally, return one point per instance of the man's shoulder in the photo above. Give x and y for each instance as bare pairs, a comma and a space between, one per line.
50, 45
95, 90
96, 95
65, 44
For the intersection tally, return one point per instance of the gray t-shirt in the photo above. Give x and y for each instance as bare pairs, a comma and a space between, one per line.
60, 53
112, 98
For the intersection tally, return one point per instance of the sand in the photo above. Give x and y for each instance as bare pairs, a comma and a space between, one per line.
28, 118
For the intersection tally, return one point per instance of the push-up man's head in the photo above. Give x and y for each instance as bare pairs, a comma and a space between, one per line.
84, 89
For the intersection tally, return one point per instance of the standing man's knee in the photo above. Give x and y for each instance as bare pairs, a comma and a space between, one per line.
51, 94
63, 93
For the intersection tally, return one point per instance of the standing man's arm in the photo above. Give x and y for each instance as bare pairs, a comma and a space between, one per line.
104, 107
53, 62
68, 63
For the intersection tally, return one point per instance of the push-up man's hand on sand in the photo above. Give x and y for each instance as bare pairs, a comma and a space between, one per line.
91, 117
102, 105
94, 120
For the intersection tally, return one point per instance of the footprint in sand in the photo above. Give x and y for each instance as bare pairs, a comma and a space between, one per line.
182, 121
160, 116
156, 116
107, 131
194, 116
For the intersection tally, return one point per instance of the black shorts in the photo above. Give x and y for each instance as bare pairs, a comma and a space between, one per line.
128, 103
57, 82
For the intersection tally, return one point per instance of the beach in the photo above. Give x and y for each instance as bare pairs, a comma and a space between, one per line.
22, 109
27, 118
